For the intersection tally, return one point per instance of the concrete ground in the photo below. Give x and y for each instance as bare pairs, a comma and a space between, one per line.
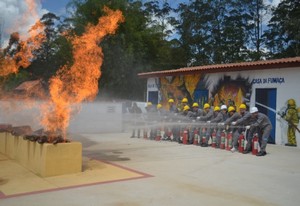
180, 175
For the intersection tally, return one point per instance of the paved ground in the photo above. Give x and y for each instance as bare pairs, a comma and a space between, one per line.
181, 175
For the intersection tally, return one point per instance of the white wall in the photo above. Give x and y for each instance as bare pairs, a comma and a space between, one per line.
264, 79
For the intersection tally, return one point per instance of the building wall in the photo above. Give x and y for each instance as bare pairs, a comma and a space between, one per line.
236, 88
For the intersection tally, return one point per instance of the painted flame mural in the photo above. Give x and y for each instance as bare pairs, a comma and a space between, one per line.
229, 92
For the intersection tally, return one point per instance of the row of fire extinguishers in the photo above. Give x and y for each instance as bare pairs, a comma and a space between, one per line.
226, 141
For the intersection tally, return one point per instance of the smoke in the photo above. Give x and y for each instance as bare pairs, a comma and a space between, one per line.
18, 16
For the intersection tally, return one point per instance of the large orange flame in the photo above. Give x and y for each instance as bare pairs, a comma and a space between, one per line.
80, 82
36, 36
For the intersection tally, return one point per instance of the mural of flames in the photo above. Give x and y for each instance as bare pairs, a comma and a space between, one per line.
80, 82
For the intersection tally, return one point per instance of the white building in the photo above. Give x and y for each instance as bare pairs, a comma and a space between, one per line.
265, 84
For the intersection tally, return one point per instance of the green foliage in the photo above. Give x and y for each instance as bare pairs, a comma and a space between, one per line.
13, 80
207, 32
283, 35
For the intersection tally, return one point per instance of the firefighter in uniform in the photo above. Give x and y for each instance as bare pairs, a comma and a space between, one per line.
208, 114
196, 112
220, 116
233, 117
151, 119
184, 102
291, 116
184, 117
172, 116
261, 125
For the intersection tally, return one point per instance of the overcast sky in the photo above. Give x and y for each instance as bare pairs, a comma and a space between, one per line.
16, 16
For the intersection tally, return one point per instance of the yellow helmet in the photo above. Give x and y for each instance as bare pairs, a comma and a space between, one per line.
186, 107
184, 100
217, 108
171, 101
159, 106
149, 104
291, 102
242, 106
231, 109
206, 105
195, 104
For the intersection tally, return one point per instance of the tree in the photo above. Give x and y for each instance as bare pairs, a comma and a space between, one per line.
139, 44
54, 52
283, 36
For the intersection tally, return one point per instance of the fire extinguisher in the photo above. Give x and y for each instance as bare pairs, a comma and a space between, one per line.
241, 142
185, 136
214, 139
255, 144
158, 135
169, 134
203, 140
229, 141
145, 134
196, 137
223, 139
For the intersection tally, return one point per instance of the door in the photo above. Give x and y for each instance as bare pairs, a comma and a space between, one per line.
266, 103
153, 97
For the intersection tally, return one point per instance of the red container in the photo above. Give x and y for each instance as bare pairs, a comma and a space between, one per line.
255, 144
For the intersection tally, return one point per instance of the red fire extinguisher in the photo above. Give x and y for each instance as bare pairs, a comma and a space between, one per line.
203, 140
255, 144
196, 137
145, 134
241, 142
185, 136
158, 135
223, 139
213, 139
229, 141
169, 133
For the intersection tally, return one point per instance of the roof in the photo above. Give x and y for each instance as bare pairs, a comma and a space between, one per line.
243, 66
28, 85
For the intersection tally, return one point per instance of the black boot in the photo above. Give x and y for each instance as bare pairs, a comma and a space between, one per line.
261, 153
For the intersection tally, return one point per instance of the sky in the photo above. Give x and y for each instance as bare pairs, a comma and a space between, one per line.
55, 6
15, 14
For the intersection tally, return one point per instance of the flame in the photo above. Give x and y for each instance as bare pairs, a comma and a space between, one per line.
24, 55
80, 82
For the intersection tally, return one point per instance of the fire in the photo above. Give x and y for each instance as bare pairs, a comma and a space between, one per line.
24, 55
80, 82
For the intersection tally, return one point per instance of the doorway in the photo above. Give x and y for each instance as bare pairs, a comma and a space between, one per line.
153, 97
266, 104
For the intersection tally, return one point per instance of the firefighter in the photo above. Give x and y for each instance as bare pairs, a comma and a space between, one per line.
233, 117
216, 118
136, 111
261, 125
183, 118
196, 112
242, 122
151, 118
184, 102
291, 116
172, 118
172, 106
220, 115
208, 114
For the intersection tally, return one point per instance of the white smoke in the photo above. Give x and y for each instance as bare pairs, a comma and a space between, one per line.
16, 16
